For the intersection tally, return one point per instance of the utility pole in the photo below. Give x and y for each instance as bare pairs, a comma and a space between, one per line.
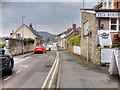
22, 35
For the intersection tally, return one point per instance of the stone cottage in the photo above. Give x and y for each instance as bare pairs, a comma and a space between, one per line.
104, 16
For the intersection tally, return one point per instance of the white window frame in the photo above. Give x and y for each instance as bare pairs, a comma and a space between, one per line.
107, 4
86, 26
118, 23
17, 35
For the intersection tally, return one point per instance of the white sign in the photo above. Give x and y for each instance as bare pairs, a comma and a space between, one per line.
106, 55
104, 38
115, 62
108, 14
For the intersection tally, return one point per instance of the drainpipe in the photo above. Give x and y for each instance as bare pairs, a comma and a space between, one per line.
99, 23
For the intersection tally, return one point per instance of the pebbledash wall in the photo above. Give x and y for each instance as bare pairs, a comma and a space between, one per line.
94, 50
14, 46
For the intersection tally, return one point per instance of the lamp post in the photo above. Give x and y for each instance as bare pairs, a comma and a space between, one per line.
22, 35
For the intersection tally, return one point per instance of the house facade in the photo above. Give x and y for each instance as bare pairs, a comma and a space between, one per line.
28, 32
104, 16
63, 38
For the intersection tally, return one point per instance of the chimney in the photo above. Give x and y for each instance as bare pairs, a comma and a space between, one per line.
68, 29
30, 26
12, 32
74, 26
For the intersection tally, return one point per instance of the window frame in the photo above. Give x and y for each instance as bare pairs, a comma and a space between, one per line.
85, 31
118, 23
17, 35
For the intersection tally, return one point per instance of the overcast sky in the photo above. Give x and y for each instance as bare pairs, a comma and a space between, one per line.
53, 17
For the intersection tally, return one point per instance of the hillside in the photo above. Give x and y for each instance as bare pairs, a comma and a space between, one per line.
46, 35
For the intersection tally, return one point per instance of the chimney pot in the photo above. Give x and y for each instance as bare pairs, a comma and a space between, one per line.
74, 26
30, 26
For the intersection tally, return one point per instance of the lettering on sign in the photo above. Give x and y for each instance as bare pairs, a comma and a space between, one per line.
106, 55
108, 14
104, 38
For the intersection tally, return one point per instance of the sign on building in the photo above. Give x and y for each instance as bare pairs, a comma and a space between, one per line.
106, 55
115, 62
108, 14
104, 38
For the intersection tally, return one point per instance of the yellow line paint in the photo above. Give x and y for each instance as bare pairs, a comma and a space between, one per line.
51, 80
46, 80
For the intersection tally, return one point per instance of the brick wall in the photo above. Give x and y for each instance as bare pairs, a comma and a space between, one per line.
94, 51
14, 46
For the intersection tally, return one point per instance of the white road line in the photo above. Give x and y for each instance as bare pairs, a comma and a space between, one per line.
21, 60
26, 66
18, 71
7, 78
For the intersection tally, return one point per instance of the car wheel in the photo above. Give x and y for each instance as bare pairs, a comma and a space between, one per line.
9, 68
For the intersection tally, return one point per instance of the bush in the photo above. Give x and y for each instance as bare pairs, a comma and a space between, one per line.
2, 45
75, 40
30, 40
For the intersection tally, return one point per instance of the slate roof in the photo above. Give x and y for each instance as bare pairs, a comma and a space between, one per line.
31, 29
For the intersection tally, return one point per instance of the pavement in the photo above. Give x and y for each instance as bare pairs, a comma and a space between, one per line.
76, 73
29, 72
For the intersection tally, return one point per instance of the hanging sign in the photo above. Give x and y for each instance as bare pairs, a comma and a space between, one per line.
104, 38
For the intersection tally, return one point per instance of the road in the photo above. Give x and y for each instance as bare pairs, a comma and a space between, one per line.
76, 73
30, 72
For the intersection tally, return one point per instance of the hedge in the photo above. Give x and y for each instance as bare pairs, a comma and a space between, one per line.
30, 40
2, 45
75, 40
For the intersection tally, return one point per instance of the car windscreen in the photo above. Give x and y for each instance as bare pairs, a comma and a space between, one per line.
39, 46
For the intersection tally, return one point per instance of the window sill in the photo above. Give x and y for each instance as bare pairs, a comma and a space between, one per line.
115, 31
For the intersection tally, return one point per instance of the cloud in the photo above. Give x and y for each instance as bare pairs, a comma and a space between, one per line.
54, 17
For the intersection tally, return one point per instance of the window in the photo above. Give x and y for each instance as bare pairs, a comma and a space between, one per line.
17, 35
86, 28
108, 4
114, 24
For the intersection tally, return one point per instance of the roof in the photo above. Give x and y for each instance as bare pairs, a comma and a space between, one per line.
65, 32
107, 10
31, 29
77, 29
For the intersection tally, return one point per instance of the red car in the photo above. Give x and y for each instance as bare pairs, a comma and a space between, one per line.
40, 49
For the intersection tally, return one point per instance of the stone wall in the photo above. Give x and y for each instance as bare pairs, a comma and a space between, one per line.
94, 51
14, 46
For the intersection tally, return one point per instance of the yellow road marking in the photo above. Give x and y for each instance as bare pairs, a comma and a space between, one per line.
51, 80
46, 80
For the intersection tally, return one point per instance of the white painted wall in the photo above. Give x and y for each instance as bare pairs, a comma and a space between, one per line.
77, 50
27, 33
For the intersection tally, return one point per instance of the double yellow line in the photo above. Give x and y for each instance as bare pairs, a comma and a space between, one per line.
54, 67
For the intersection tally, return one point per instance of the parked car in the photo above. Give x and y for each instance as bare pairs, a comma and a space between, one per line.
6, 62
40, 49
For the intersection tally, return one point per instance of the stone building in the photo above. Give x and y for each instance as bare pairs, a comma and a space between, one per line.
104, 16
63, 38
28, 32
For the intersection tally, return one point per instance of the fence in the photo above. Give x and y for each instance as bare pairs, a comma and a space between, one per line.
77, 50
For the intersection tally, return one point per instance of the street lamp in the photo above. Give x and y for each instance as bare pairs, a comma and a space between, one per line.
22, 35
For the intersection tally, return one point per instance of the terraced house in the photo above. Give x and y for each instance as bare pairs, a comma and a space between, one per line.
104, 16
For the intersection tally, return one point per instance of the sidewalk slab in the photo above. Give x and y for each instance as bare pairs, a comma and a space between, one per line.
75, 73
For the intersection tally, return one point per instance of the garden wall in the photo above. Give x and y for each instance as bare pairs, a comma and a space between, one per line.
14, 46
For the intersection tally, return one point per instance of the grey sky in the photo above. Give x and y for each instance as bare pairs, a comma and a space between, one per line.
54, 17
